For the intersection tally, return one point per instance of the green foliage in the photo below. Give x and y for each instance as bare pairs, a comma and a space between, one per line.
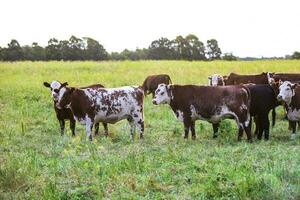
37, 163
229, 57
296, 55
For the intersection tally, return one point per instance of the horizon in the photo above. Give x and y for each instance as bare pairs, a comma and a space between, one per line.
246, 29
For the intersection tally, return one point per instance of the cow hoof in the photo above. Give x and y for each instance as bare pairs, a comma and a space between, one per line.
293, 136
215, 136
194, 138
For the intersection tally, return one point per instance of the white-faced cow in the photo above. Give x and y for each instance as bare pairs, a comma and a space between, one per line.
66, 113
215, 80
109, 105
151, 82
289, 93
212, 104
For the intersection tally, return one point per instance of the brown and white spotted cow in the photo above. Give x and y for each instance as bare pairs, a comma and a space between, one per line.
66, 113
151, 82
109, 105
212, 104
289, 94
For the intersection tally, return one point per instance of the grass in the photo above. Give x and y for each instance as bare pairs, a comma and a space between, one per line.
37, 163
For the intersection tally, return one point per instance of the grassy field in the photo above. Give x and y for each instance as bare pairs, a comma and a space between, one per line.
37, 163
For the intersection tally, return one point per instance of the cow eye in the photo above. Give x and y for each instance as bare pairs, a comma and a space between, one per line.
162, 93
56, 90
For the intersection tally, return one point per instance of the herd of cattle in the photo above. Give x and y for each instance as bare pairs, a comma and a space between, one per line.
237, 97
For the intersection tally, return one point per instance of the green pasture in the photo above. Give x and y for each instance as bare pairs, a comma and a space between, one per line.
37, 163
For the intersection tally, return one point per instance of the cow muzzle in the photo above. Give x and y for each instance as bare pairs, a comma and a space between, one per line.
279, 98
154, 102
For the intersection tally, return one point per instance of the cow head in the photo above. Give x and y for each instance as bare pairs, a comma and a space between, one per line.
286, 91
270, 77
162, 94
55, 88
225, 80
215, 80
64, 97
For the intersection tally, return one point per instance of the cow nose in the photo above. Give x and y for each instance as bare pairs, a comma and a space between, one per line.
279, 97
154, 102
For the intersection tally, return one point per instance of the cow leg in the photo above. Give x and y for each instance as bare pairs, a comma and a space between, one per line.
140, 125
248, 132
215, 128
62, 126
240, 133
89, 127
293, 126
132, 128
193, 130
105, 129
138, 119
72, 126
97, 128
261, 127
290, 125
266, 126
187, 124
256, 125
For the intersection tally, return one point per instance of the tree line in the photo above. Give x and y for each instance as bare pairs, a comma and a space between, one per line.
86, 48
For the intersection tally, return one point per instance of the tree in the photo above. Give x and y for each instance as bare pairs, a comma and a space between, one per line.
13, 52
38, 52
161, 49
182, 48
53, 50
94, 50
229, 57
213, 50
196, 48
75, 48
296, 55
33, 52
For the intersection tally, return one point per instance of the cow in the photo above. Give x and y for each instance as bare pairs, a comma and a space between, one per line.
66, 113
151, 82
259, 109
293, 77
235, 79
263, 100
212, 104
289, 94
108, 105
216, 79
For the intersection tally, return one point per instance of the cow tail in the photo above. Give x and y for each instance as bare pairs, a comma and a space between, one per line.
249, 103
169, 79
273, 117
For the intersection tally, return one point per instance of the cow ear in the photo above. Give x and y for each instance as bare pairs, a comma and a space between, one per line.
294, 85
46, 84
64, 84
280, 82
72, 89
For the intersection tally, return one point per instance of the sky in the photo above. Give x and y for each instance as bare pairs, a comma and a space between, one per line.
243, 27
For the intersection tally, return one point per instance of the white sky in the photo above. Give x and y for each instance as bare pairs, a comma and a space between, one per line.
243, 27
